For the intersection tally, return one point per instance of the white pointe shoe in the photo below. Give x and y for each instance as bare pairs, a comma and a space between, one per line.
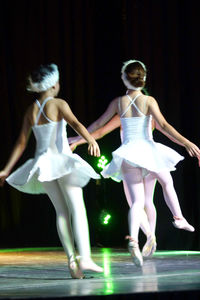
149, 247
89, 265
134, 250
181, 223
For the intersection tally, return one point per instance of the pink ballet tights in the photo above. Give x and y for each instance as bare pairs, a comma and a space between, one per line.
169, 193
148, 221
134, 186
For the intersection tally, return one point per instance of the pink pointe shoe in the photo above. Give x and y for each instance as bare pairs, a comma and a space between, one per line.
89, 265
150, 246
181, 223
74, 268
134, 250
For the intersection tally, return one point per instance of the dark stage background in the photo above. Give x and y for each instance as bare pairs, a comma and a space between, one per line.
89, 40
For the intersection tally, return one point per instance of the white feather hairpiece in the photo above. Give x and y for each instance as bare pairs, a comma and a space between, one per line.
49, 80
124, 77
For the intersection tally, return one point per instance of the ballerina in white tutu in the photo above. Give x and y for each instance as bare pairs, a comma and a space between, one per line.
149, 217
139, 157
55, 170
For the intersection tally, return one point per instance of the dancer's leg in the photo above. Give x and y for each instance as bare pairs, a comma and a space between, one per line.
149, 186
63, 225
74, 198
63, 216
144, 220
171, 199
134, 182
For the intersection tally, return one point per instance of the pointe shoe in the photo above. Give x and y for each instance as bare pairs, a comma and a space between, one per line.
89, 265
134, 250
181, 223
74, 268
149, 247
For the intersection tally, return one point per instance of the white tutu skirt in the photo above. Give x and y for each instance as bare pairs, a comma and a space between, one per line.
145, 154
50, 166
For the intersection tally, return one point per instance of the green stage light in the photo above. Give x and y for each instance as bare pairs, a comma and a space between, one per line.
105, 217
102, 162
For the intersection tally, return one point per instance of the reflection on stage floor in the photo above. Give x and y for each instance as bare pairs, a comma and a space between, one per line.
43, 273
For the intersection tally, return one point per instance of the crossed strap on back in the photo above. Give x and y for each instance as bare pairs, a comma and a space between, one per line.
41, 109
132, 102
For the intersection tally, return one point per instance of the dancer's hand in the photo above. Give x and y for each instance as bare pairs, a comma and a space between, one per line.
192, 149
3, 176
93, 149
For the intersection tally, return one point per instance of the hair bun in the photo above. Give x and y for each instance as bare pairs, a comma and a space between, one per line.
134, 74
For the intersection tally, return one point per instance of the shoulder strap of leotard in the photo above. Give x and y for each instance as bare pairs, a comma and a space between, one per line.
131, 103
41, 109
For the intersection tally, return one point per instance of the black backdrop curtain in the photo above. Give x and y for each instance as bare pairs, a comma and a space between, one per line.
89, 40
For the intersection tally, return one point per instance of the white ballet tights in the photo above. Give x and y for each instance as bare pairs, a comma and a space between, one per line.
69, 205
134, 182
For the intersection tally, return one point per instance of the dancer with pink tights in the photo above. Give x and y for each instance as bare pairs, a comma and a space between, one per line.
148, 221
139, 156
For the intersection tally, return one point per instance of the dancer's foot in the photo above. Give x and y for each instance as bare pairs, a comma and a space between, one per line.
134, 250
181, 223
89, 265
150, 246
74, 268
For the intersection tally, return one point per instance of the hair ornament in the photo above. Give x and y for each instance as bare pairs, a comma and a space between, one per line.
124, 76
47, 82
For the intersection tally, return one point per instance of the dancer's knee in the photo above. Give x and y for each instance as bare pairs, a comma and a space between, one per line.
165, 179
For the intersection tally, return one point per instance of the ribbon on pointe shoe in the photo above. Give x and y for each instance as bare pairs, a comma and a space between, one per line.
149, 247
134, 250
74, 268
131, 240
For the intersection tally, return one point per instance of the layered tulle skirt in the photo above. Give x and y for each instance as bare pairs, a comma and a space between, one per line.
145, 154
51, 166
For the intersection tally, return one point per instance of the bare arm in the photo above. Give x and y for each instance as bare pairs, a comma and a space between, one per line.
105, 117
154, 110
102, 120
67, 114
18, 149
99, 133
156, 126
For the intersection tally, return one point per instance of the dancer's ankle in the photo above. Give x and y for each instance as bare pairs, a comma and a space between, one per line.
176, 218
131, 239
150, 235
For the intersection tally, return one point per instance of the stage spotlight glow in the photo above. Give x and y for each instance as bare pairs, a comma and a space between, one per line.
102, 162
105, 217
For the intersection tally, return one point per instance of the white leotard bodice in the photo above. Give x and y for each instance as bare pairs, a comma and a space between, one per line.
51, 135
135, 127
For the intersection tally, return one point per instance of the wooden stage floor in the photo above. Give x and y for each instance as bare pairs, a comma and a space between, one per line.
43, 273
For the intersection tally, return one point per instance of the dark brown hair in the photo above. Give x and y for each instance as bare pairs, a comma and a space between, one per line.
135, 74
